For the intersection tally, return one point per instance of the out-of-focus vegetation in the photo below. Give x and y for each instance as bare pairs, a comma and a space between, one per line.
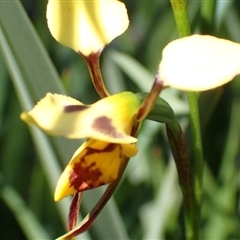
148, 203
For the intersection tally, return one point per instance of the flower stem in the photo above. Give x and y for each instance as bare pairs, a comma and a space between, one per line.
197, 145
182, 21
95, 73
181, 157
181, 17
73, 210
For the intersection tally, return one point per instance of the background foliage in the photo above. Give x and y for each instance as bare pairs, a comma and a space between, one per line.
147, 205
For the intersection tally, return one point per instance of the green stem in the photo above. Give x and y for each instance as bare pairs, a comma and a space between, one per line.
181, 17
182, 21
198, 160
197, 145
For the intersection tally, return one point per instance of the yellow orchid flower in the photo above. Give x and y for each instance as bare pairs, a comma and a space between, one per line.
86, 26
107, 123
199, 62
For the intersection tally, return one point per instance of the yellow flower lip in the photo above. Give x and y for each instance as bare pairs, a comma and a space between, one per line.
86, 26
94, 164
199, 62
110, 119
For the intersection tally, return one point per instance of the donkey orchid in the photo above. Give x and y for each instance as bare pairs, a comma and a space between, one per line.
107, 123
195, 63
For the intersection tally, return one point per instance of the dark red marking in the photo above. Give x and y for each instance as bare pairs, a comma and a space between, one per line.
103, 125
83, 177
75, 108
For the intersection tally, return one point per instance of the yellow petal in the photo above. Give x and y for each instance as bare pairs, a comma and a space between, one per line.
86, 26
49, 111
129, 150
114, 117
109, 119
199, 63
94, 164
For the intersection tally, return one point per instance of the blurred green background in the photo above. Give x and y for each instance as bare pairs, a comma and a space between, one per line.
148, 202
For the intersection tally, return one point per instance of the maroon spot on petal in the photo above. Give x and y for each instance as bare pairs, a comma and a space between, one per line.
75, 108
109, 148
103, 125
83, 177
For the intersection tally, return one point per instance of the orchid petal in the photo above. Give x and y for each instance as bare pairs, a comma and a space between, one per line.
129, 150
86, 26
94, 164
110, 119
198, 63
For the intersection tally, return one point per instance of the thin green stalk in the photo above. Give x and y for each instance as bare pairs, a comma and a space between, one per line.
197, 146
181, 17
182, 21
198, 161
